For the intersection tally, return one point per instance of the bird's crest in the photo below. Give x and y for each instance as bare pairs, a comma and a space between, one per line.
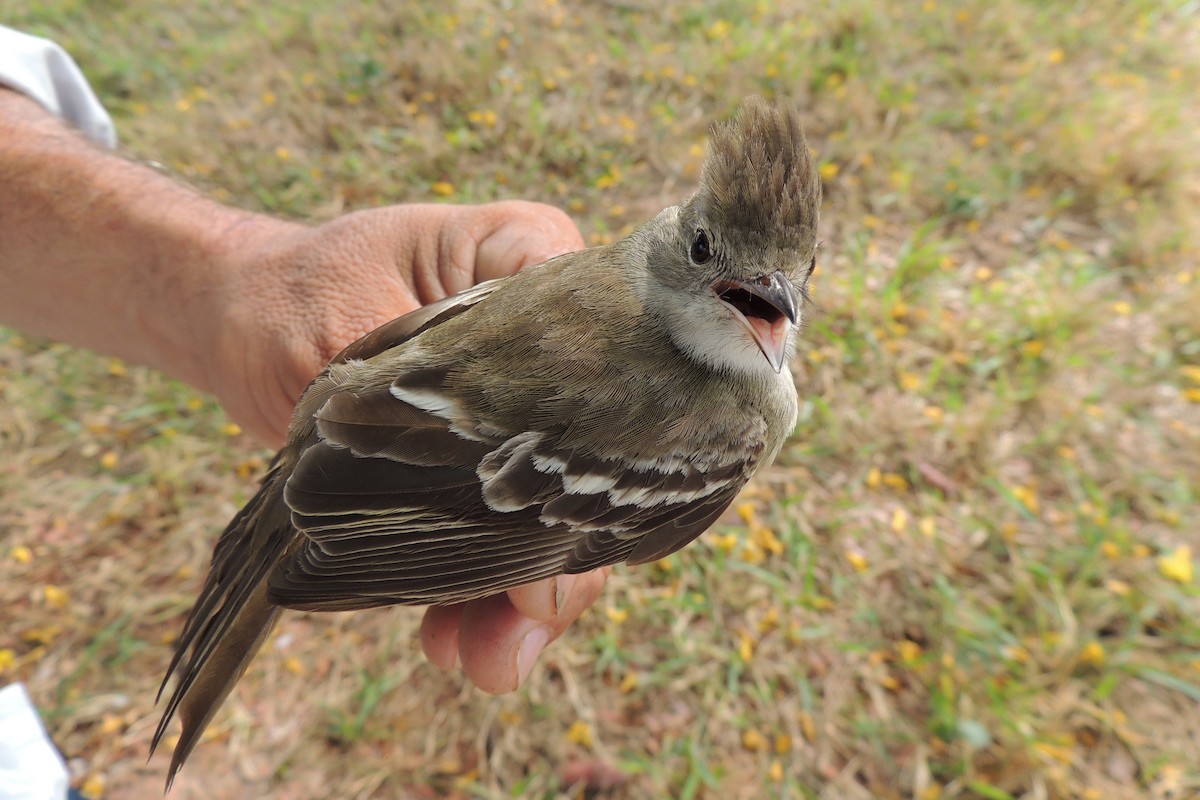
759, 175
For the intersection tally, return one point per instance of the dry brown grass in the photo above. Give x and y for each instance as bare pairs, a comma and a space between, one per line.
962, 580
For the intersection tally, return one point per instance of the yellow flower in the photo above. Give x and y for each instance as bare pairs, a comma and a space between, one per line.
1092, 653
754, 741
1062, 753
752, 553
245, 469
770, 621
109, 459
1028, 497
766, 539
829, 171
7, 659
442, 188
783, 744
1016, 653
725, 543
746, 647
56, 596
775, 771
719, 30
21, 554
42, 634
927, 527
580, 733
899, 520
908, 650
93, 786
1122, 309
1177, 565
616, 615
807, 726
231, 429
857, 560
629, 682
1055, 56
874, 478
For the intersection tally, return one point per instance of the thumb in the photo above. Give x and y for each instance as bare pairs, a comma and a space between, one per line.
524, 233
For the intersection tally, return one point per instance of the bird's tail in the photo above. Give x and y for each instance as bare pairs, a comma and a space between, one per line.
230, 620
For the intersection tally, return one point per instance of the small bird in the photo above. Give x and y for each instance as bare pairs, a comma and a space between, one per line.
605, 406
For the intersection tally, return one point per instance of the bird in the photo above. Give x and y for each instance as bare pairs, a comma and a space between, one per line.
604, 406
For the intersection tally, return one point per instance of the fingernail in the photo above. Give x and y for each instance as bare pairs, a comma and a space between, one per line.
562, 590
531, 646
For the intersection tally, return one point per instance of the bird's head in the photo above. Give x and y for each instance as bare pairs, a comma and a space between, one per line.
727, 270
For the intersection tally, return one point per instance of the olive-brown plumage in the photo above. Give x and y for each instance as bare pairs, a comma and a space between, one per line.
603, 407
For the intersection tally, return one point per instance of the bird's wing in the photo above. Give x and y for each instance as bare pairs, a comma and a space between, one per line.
398, 504
403, 328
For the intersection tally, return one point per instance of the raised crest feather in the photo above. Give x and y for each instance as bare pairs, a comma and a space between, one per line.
759, 176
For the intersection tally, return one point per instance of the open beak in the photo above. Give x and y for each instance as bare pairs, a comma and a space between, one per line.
766, 305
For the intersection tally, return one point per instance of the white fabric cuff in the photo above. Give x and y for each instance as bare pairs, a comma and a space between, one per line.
30, 767
43, 71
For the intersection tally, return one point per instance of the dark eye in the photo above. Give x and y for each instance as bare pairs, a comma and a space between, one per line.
701, 250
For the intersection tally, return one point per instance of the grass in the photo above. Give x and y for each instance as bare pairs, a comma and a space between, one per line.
968, 574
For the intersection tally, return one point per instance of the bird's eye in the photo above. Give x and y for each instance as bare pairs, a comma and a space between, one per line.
701, 250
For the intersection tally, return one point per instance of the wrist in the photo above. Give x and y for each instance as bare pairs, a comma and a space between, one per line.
199, 304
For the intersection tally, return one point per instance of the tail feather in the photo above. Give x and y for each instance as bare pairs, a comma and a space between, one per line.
222, 669
230, 620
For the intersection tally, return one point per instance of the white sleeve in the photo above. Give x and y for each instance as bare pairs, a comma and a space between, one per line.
30, 767
42, 70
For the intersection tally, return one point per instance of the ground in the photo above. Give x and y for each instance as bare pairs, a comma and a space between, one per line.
970, 574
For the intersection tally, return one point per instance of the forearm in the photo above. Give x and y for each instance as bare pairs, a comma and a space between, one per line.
101, 252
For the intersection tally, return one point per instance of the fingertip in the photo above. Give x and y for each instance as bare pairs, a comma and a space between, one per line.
499, 641
490, 633
585, 590
532, 645
542, 600
439, 635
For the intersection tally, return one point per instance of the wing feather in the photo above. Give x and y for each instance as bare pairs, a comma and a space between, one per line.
398, 505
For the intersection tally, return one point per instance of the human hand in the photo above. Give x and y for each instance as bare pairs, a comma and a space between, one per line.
296, 295
293, 296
